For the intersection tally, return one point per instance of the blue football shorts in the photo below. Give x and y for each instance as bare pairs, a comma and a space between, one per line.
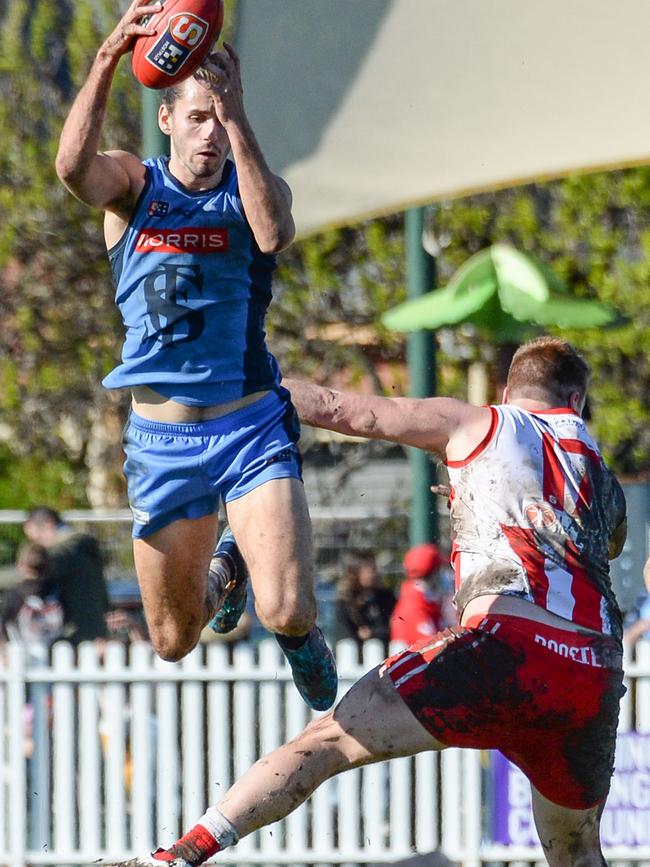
179, 471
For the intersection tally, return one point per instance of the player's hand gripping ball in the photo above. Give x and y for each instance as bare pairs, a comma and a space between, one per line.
186, 31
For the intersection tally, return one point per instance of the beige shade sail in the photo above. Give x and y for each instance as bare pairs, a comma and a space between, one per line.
373, 106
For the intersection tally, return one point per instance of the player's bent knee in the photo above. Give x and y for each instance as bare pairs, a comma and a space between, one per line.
173, 644
286, 620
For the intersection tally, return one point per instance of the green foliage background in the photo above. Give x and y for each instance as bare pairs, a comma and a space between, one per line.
593, 230
58, 326
60, 332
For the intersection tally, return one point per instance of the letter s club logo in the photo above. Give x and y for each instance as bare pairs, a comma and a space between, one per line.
184, 34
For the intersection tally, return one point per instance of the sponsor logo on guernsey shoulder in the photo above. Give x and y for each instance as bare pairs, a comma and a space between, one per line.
189, 239
184, 34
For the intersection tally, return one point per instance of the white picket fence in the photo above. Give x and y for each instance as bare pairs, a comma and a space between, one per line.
126, 751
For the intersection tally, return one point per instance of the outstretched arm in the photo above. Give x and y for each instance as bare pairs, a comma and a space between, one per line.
265, 196
428, 423
104, 180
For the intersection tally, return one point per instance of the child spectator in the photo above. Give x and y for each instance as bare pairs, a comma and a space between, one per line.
424, 605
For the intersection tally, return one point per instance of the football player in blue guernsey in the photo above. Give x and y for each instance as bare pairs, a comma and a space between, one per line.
192, 240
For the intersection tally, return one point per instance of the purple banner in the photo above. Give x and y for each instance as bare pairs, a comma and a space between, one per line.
626, 819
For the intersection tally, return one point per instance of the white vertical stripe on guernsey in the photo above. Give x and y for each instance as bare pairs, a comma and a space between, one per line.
559, 598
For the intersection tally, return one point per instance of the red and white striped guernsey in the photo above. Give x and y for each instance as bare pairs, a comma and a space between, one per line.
533, 508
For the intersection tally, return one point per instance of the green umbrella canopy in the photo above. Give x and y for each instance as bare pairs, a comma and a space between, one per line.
503, 291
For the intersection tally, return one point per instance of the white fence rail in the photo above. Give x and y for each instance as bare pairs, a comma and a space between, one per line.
104, 755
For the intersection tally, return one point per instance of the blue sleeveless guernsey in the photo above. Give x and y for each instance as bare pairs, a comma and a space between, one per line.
193, 289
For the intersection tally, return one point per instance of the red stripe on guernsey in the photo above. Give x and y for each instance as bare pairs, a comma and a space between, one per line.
553, 482
585, 492
482, 445
189, 239
454, 559
522, 542
587, 599
577, 447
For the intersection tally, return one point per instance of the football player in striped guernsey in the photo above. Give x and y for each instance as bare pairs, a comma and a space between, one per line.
534, 668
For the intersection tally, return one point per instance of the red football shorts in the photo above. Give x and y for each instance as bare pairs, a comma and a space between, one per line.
546, 698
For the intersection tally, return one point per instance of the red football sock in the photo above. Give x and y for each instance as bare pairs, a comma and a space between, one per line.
195, 847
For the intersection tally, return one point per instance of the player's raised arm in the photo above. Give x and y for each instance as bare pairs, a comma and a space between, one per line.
266, 197
103, 180
428, 423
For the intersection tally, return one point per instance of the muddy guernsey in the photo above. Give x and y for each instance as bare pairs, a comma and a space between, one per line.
193, 289
533, 509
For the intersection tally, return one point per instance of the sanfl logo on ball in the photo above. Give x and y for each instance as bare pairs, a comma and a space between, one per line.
184, 34
188, 29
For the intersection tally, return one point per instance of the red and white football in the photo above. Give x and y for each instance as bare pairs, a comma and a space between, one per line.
186, 31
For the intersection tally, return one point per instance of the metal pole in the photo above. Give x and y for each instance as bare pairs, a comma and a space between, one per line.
420, 353
154, 141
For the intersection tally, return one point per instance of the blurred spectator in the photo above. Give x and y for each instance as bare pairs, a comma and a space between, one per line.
640, 625
364, 604
424, 605
30, 613
125, 619
77, 574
